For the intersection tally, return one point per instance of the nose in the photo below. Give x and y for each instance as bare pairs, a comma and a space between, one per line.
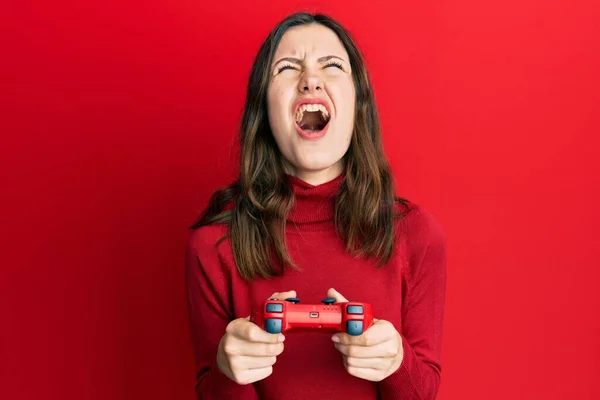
309, 83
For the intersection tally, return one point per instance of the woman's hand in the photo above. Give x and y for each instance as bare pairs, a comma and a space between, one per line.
374, 355
247, 353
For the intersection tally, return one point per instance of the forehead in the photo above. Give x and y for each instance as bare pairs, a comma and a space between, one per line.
310, 40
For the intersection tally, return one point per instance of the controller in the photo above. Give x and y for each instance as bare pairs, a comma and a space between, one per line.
278, 316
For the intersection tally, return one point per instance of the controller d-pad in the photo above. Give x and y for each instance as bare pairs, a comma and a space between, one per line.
355, 310
273, 325
354, 328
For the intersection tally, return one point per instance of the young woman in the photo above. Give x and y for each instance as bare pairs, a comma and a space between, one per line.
314, 209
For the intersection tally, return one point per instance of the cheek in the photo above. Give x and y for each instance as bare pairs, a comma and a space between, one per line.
277, 99
277, 106
347, 96
349, 105
272, 101
351, 97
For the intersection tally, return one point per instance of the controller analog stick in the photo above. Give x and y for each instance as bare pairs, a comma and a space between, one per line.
329, 301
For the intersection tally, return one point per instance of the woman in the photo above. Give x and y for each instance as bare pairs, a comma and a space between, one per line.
313, 209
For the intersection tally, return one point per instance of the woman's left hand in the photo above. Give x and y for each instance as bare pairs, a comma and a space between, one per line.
374, 355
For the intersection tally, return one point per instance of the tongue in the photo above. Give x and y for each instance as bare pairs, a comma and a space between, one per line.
311, 122
308, 128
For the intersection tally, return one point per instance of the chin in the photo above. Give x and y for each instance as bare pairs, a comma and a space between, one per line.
315, 165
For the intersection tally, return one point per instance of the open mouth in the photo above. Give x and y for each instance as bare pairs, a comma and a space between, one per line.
312, 118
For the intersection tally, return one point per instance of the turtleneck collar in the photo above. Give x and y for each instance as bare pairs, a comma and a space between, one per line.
313, 203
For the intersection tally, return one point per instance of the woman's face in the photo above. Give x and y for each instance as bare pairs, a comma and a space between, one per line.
311, 100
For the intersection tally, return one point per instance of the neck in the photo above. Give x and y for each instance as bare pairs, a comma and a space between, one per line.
314, 203
316, 177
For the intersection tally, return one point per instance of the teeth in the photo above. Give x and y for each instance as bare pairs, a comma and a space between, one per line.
311, 108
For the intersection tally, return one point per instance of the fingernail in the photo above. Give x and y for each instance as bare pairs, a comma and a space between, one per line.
281, 338
335, 338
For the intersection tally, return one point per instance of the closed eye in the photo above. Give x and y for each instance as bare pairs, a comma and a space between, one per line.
334, 64
284, 67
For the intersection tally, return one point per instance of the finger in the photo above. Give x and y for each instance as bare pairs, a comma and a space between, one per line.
387, 349
283, 295
260, 349
246, 362
253, 375
251, 332
336, 295
377, 363
381, 331
369, 374
239, 347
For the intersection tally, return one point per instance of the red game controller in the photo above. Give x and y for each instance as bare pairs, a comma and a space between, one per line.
278, 316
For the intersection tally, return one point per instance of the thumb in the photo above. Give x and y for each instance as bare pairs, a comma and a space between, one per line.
336, 295
283, 295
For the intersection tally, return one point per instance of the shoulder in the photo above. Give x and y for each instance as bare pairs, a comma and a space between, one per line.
417, 229
417, 220
206, 240
208, 259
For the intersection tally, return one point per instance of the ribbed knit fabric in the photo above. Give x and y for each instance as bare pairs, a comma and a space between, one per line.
313, 204
409, 292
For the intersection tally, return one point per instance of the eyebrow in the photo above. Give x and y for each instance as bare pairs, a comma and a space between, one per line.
299, 61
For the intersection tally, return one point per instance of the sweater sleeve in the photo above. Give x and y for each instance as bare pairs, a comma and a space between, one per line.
422, 316
208, 307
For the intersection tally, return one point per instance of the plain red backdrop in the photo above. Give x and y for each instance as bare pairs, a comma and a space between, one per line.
117, 122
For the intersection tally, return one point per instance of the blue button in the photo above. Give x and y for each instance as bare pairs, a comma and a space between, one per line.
354, 309
354, 328
273, 325
277, 307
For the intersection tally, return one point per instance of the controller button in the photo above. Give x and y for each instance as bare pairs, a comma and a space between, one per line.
314, 314
354, 310
294, 300
275, 307
354, 328
273, 325
328, 301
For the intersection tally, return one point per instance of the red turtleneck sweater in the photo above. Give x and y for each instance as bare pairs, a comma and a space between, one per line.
408, 291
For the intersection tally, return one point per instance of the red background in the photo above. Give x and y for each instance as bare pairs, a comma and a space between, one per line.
117, 122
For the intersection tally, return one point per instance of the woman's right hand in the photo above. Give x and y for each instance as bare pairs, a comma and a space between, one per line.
247, 353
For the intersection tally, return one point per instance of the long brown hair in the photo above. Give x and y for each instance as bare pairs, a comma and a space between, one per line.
262, 196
